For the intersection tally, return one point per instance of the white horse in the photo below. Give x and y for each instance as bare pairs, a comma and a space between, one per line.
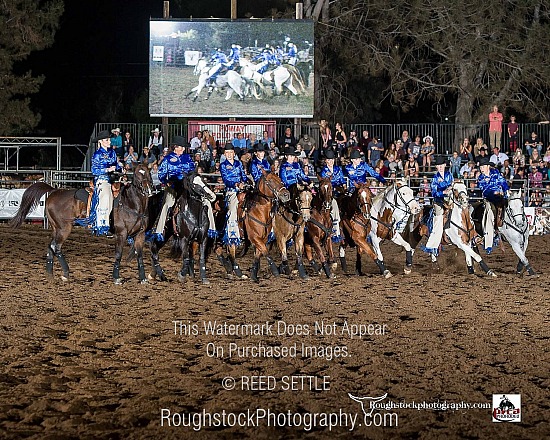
231, 79
459, 227
277, 78
515, 229
390, 214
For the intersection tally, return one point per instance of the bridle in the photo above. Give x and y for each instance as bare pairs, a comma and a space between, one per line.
520, 226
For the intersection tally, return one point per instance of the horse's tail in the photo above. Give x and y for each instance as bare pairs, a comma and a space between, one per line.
29, 201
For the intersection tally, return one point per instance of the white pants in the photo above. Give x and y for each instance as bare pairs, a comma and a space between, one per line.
434, 239
488, 226
169, 200
207, 202
335, 214
232, 227
105, 203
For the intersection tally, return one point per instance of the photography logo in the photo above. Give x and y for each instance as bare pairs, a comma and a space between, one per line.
506, 407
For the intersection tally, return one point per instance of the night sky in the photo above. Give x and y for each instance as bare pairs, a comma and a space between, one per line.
101, 50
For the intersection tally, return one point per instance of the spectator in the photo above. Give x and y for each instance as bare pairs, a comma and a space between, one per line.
405, 141
401, 150
495, 127
364, 142
424, 190
535, 160
325, 135
393, 165
309, 147
518, 181
116, 142
415, 149
155, 142
165, 153
375, 151
533, 143
535, 178
341, 139
546, 156
273, 146
272, 156
266, 139
478, 146
155, 176
205, 156
467, 169
147, 157
195, 142
482, 155
353, 141
130, 159
513, 133
127, 141
209, 139
427, 153
239, 143
252, 141
287, 138
518, 159
536, 199
466, 151
411, 167
498, 157
455, 163
507, 171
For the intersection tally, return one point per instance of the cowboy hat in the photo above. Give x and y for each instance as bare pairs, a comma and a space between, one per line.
229, 147
428, 137
329, 154
115, 130
156, 130
178, 140
260, 147
101, 135
440, 160
355, 154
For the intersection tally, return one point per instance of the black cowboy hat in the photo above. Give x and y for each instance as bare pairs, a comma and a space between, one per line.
260, 147
293, 152
101, 135
355, 154
440, 160
485, 161
229, 147
329, 154
179, 141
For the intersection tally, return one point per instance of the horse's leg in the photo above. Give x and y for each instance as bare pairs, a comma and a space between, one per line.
119, 245
202, 258
236, 269
49, 259
223, 260
138, 246
400, 241
155, 249
282, 238
362, 244
467, 249
319, 251
342, 255
523, 263
193, 248
185, 270
299, 245
375, 242
358, 270
56, 244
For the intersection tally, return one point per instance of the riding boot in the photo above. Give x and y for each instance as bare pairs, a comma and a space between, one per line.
343, 264
471, 270
326, 269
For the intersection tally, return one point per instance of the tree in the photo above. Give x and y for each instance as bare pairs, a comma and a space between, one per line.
475, 54
25, 26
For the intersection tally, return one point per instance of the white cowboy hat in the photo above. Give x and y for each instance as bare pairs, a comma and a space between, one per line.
115, 129
428, 137
156, 130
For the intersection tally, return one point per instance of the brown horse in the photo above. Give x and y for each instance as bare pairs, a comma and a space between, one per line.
130, 216
356, 223
255, 222
289, 223
319, 228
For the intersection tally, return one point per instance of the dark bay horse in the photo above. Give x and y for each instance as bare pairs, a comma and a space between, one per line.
289, 223
319, 228
356, 222
191, 225
130, 217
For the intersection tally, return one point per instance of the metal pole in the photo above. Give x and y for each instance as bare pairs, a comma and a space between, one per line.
233, 17
298, 121
165, 14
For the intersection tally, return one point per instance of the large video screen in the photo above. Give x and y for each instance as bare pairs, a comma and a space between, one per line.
243, 68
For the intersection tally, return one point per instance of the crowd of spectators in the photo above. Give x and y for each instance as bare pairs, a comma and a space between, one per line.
408, 156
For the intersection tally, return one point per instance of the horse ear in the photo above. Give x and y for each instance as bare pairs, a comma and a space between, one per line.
357, 185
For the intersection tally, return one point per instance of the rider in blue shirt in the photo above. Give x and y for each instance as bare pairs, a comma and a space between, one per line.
338, 182
291, 172
358, 171
259, 163
220, 60
235, 55
104, 161
440, 187
292, 54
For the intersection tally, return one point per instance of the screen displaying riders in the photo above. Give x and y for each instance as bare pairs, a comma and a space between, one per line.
440, 187
104, 162
338, 181
175, 166
494, 189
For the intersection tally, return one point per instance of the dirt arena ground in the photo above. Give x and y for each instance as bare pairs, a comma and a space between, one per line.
86, 359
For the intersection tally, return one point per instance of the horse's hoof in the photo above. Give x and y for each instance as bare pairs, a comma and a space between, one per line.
205, 281
150, 277
333, 266
181, 277
243, 277
407, 270
118, 281
387, 274
64, 278
144, 281
492, 274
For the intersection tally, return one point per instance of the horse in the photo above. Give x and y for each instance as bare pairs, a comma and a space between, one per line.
459, 228
289, 223
319, 228
191, 224
277, 78
515, 229
130, 217
356, 225
230, 79
390, 213
255, 222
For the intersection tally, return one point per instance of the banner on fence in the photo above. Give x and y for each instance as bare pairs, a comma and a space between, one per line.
539, 220
10, 199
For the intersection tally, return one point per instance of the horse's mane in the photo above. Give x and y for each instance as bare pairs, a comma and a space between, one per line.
380, 195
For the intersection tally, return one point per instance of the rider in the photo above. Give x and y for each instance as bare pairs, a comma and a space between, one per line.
357, 171
494, 189
234, 179
440, 186
291, 173
338, 184
259, 163
267, 58
104, 161
220, 60
171, 171
292, 54
234, 56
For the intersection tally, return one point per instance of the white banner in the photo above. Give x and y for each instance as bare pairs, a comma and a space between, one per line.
10, 199
539, 220
192, 57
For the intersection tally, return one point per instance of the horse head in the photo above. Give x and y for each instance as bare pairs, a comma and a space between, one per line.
271, 186
459, 195
404, 197
325, 191
142, 180
303, 202
515, 211
364, 199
